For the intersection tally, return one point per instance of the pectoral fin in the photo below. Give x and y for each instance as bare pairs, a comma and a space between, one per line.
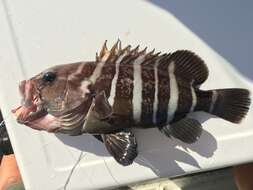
122, 146
95, 125
102, 107
187, 130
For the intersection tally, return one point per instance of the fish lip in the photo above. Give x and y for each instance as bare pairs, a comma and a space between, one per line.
31, 107
32, 115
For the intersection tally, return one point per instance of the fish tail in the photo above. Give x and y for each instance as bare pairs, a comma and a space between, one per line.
230, 104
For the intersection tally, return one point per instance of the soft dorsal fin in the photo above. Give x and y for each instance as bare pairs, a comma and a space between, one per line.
190, 66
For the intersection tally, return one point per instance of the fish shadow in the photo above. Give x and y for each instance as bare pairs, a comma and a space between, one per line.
156, 151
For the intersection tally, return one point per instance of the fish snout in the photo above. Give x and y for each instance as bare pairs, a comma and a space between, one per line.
27, 92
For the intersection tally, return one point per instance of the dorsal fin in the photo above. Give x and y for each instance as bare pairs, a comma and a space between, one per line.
106, 54
187, 64
151, 58
103, 51
190, 66
130, 54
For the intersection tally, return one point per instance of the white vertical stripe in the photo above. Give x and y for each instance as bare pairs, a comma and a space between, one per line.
79, 70
214, 98
114, 80
96, 73
155, 103
194, 99
84, 87
173, 102
137, 89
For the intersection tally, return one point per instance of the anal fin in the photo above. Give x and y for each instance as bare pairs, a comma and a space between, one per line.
122, 146
187, 130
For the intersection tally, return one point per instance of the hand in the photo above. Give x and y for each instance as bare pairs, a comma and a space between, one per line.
9, 172
243, 176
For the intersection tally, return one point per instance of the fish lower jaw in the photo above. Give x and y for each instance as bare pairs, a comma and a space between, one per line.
39, 119
47, 122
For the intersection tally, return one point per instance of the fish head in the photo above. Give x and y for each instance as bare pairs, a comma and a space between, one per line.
56, 98
58, 90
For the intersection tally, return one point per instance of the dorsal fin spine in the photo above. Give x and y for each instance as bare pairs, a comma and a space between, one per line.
113, 52
144, 50
151, 61
104, 49
135, 50
97, 57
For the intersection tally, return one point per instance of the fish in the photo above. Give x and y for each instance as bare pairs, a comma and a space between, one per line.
126, 88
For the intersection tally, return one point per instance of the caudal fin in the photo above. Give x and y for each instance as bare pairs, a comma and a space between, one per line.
230, 104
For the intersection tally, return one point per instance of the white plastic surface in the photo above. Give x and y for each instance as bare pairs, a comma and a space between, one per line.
37, 34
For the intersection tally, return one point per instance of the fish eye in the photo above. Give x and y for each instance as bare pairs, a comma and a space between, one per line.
49, 77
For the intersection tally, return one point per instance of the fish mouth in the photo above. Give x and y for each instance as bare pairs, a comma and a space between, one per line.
25, 115
31, 112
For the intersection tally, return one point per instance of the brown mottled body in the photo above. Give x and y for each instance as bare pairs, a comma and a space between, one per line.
148, 96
